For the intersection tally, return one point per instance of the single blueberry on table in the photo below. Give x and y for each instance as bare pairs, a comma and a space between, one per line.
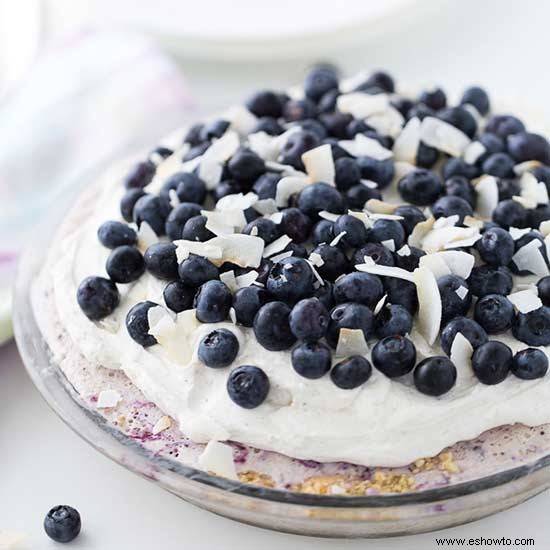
351, 373
379, 171
247, 386
450, 206
496, 247
491, 362
477, 97
499, 165
264, 228
453, 304
402, 293
387, 230
525, 146
218, 348
504, 125
434, 376
460, 118
352, 316
112, 234
137, 324
377, 252
188, 187
347, 173
125, 264
354, 229
295, 224
161, 261
459, 186
471, 330
212, 302
246, 303
128, 202
290, 280
62, 523
154, 210
265, 103
296, 145
529, 364
140, 175
435, 99
311, 359
195, 230
394, 356
411, 216
177, 219
309, 320
510, 213
213, 129
299, 109
426, 156
543, 287
266, 185
393, 320
358, 287
335, 262
178, 296
358, 195
420, 187
97, 297
196, 270
318, 197
486, 279
323, 232
246, 166
533, 328
495, 313
269, 125
272, 328
411, 261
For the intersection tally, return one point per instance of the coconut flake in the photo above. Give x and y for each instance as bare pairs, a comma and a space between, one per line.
461, 357
473, 152
487, 196
233, 315
320, 279
436, 264
516, 232
363, 216
361, 105
404, 251
402, 168
525, 300
223, 148
388, 123
278, 245
389, 244
351, 341
533, 190
529, 258
218, 458
107, 399
525, 201
163, 423
266, 207
319, 164
385, 271
449, 237
328, 216
288, 186
470, 221
406, 144
263, 145
363, 146
174, 199
522, 167
544, 228
429, 304
338, 238
446, 221
420, 231
229, 280
146, 237
281, 256
376, 206
237, 201
241, 119
461, 292
276, 217
224, 222
246, 279
458, 263
380, 304
316, 259
443, 136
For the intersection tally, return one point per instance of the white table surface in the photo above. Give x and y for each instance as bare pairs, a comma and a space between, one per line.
501, 44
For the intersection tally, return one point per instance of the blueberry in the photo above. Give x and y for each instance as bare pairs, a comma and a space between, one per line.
196, 270
347, 173
323, 232
125, 264
246, 166
320, 196
471, 330
402, 293
499, 165
264, 228
491, 362
379, 171
327, 103
212, 302
485, 279
214, 129
272, 328
426, 156
196, 151
325, 294
451, 206
434, 376
459, 167
538, 215
378, 252
295, 224
381, 80
178, 296
193, 136
387, 230
246, 303
290, 280
510, 213
477, 97
268, 125
266, 185
453, 304
496, 246
311, 359
533, 328
435, 99
525, 146
227, 187
218, 348
195, 229
140, 175
543, 287
309, 320
411, 261
420, 111
153, 210
335, 262
420, 187
296, 145
128, 202
504, 125
336, 123
177, 219
319, 81
247, 386
394, 356
492, 144
354, 228
403, 105
188, 187
358, 287
160, 260
265, 103
357, 126
460, 118
542, 173
160, 153
351, 372
264, 270
358, 195
62, 523
393, 320
350, 315
112, 234
411, 216
299, 109
137, 324
530, 364
494, 313
97, 297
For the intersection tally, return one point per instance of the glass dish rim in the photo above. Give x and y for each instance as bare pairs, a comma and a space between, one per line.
23, 314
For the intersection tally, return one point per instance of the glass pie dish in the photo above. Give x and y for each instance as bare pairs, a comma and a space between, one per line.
307, 514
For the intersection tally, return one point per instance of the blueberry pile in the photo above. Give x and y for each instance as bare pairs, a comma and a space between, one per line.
310, 295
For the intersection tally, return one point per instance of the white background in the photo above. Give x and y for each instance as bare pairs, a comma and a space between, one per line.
501, 44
